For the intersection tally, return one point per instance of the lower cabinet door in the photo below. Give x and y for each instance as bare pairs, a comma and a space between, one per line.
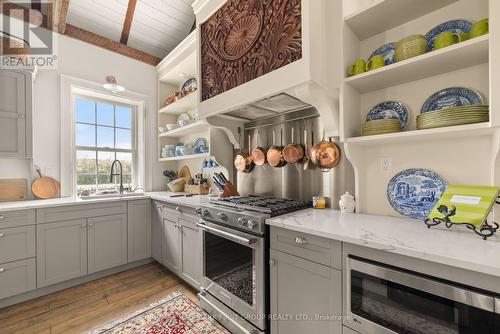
107, 242
156, 231
139, 230
190, 253
306, 296
17, 277
170, 246
61, 251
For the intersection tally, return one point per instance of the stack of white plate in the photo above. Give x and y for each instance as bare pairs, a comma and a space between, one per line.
380, 126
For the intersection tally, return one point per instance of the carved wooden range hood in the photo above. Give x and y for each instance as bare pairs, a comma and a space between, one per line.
258, 58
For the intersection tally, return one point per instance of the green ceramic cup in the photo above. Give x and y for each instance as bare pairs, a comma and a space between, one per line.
446, 39
375, 62
358, 67
480, 28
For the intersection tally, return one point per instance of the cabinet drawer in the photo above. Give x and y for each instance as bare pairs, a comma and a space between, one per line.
80, 211
310, 247
17, 277
17, 218
174, 212
17, 243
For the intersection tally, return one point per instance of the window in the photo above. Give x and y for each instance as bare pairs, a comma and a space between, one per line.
104, 131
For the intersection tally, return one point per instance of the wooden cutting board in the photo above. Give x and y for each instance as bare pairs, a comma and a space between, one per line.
13, 190
45, 187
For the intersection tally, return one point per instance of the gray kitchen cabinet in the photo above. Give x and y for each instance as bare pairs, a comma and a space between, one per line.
156, 231
139, 230
190, 251
61, 251
15, 114
17, 277
107, 242
171, 245
307, 291
17, 243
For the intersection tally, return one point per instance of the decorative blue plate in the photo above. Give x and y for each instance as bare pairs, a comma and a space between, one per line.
451, 97
414, 192
458, 26
388, 51
189, 86
200, 142
389, 110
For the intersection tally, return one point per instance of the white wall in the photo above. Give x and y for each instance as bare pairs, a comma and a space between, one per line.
88, 62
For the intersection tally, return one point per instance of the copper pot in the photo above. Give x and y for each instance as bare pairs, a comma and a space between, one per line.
293, 153
259, 153
275, 153
326, 155
243, 162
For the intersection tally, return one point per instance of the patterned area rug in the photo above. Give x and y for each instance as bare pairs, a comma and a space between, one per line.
175, 314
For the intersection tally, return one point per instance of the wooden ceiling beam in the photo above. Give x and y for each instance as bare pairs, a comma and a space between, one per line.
127, 24
37, 18
58, 15
111, 45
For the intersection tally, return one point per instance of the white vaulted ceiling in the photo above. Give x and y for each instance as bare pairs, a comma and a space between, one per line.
158, 26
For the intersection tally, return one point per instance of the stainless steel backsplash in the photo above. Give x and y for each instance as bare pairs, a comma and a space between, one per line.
292, 181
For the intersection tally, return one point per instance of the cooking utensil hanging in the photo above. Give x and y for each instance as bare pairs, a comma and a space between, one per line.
293, 153
259, 154
308, 164
325, 154
275, 153
243, 162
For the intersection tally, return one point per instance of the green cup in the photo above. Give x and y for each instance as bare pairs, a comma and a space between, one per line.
375, 62
480, 28
446, 39
358, 67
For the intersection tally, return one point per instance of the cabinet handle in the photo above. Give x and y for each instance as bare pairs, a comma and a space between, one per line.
272, 262
84, 225
2, 235
301, 241
2, 270
90, 224
177, 208
2, 217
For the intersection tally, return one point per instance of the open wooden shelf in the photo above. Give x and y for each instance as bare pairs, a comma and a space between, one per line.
469, 130
383, 15
198, 126
469, 53
187, 103
187, 157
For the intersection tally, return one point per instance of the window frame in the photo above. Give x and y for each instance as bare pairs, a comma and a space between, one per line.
96, 148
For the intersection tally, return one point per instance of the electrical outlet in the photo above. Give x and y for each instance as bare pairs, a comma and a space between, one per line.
385, 165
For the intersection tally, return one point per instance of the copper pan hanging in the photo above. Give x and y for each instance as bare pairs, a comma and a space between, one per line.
293, 153
259, 154
243, 162
325, 154
275, 153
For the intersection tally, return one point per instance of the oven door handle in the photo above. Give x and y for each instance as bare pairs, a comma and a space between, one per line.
227, 235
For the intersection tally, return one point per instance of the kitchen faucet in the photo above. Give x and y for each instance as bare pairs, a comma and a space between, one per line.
117, 174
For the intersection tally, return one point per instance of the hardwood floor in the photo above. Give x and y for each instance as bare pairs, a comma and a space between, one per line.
90, 305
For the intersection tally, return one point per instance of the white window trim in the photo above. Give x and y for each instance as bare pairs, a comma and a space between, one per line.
70, 88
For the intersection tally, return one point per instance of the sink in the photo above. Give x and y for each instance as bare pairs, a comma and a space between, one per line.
111, 195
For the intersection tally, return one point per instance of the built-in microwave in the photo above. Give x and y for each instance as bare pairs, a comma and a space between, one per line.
385, 300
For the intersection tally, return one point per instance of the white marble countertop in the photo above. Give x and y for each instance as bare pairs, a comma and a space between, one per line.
160, 195
456, 246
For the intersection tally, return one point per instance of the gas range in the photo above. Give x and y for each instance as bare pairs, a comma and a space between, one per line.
248, 213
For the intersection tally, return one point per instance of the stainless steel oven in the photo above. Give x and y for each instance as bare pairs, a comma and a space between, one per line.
234, 277
382, 299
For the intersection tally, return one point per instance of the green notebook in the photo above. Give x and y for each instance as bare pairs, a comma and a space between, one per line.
465, 204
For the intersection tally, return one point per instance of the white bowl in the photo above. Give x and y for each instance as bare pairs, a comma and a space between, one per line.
162, 129
171, 127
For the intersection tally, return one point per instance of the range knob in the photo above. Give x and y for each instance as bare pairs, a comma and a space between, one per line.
205, 213
242, 221
198, 211
252, 223
222, 215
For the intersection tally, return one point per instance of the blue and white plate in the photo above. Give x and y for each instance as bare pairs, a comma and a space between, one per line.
200, 142
451, 97
389, 110
388, 51
189, 86
414, 192
458, 26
